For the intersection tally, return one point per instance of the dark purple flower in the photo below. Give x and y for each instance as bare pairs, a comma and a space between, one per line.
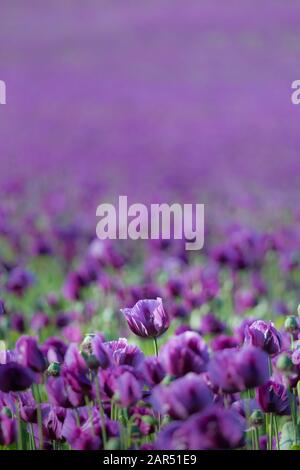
215, 428
17, 322
29, 354
224, 342
273, 397
8, 430
184, 353
263, 335
39, 321
19, 280
54, 349
75, 371
245, 407
152, 371
14, 377
147, 318
129, 389
183, 397
2, 308
210, 324
236, 370
124, 353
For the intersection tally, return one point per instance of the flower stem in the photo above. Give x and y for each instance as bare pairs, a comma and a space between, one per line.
155, 347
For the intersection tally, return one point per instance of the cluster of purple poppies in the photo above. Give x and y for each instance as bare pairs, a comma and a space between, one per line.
108, 394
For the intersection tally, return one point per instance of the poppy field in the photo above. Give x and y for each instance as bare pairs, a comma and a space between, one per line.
142, 344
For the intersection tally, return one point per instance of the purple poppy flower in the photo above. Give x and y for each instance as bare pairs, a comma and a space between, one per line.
215, 428
210, 324
265, 336
166, 439
54, 349
2, 308
152, 371
39, 321
184, 353
147, 318
124, 353
59, 393
129, 389
8, 430
245, 407
19, 280
224, 342
29, 354
237, 370
82, 429
183, 397
273, 397
75, 371
17, 322
14, 377
96, 353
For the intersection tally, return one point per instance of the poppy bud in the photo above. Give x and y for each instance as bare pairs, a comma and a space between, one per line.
291, 324
86, 344
284, 363
7, 411
54, 369
257, 418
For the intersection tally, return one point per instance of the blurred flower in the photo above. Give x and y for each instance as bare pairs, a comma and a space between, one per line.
129, 389
19, 280
183, 397
29, 354
215, 428
8, 430
184, 353
124, 353
237, 370
210, 324
152, 371
14, 377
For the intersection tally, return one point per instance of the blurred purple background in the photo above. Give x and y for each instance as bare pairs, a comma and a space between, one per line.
188, 99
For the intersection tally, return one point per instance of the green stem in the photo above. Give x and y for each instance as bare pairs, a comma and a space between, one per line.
102, 414
155, 347
20, 443
276, 432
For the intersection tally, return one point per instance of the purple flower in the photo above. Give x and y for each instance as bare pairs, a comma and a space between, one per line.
224, 342
236, 370
19, 280
210, 324
14, 377
129, 389
152, 371
8, 430
263, 335
39, 321
75, 371
2, 308
54, 349
273, 397
29, 354
184, 353
183, 397
147, 318
215, 428
124, 353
